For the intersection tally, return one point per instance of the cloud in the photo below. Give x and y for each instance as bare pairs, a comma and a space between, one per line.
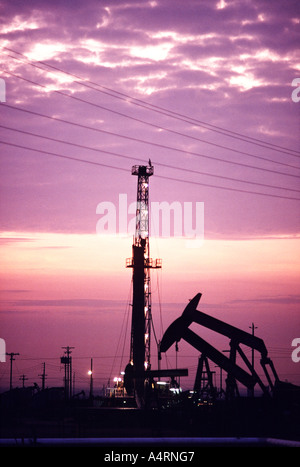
279, 300
13, 240
71, 307
231, 67
83, 302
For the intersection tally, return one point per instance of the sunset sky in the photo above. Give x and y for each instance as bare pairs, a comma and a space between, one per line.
203, 89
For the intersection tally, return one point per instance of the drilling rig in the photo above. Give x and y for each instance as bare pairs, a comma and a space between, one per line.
138, 368
139, 377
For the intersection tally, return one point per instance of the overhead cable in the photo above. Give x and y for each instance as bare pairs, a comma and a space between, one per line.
151, 143
190, 182
153, 125
157, 163
176, 115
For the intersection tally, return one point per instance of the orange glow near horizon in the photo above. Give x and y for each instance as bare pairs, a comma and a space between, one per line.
74, 289
63, 265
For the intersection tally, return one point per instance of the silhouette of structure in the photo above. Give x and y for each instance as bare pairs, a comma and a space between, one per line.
67, 361
43, 376
179, 329
141, 263
11, 354
203, 387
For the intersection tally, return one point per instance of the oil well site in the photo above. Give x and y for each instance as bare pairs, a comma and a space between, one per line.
146, 403
150, 226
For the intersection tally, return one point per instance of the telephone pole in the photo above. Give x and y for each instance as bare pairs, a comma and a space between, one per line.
23, 378
252, 327
67, 361
252, 356
11, 354
43, 377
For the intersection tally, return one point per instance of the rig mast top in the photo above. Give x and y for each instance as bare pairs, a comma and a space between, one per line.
142, 208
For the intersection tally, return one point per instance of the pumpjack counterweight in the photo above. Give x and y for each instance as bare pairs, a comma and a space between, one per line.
141, 263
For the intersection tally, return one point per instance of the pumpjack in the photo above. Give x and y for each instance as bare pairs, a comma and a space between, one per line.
179, 329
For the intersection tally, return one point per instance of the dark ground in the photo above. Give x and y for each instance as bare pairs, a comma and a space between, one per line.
23, 417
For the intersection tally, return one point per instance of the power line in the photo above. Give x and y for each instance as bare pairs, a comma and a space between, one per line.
155, 108
151, 143
153, 125
48, 153
190, 182
227, 188
155, 162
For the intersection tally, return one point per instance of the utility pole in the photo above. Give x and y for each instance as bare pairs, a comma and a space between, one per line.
67, 361
252, 352
43, 376
252, 327
12, 354
23, 378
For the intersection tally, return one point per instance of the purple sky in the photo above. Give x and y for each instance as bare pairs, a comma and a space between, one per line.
224, 68
231, 67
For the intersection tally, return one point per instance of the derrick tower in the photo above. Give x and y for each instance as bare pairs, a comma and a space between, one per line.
141, 263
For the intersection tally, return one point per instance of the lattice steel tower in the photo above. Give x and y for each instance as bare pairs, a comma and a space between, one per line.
140, 343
